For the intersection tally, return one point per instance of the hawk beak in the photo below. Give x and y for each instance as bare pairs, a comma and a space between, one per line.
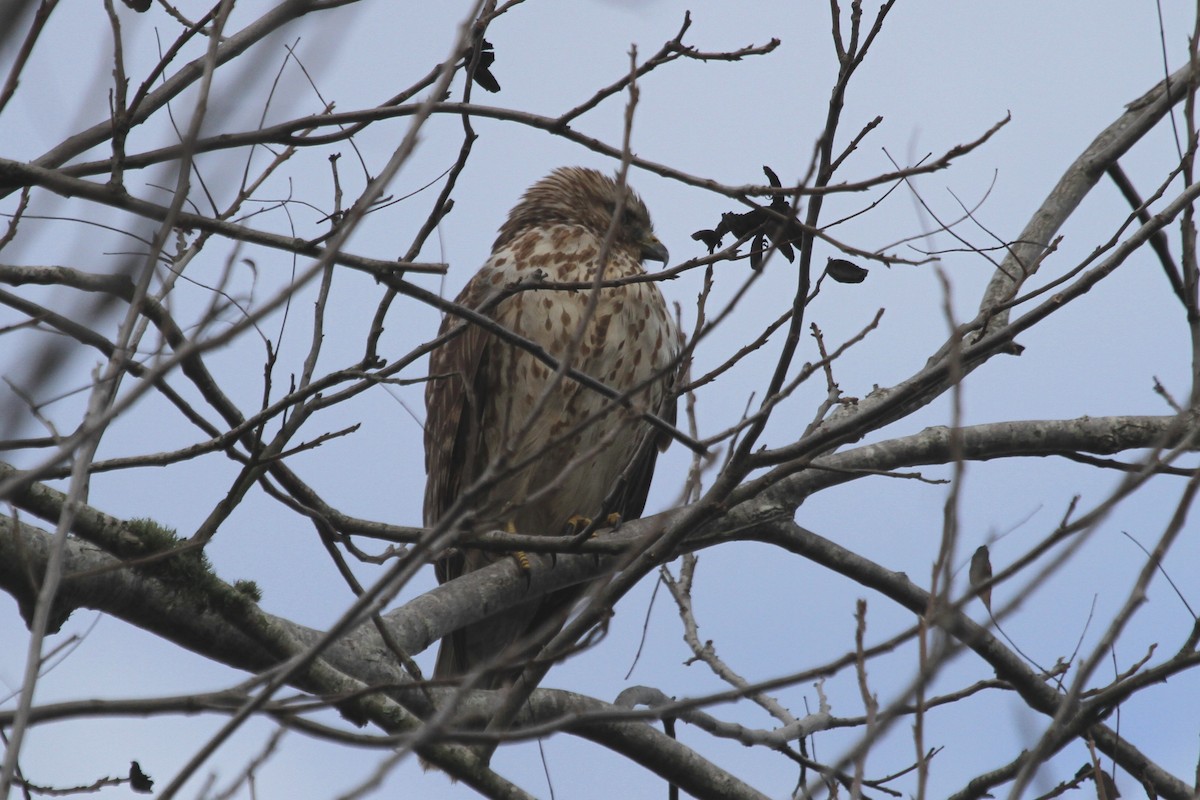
654, 250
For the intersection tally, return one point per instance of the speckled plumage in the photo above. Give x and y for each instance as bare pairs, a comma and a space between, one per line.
488, 398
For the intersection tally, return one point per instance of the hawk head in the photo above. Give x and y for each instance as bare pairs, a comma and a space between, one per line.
589, 199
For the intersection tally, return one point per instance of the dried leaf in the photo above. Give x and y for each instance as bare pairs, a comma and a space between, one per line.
773, 224
980, 573
139, 781
1106, 787
844, 271
786, 251
483, 76
711, 239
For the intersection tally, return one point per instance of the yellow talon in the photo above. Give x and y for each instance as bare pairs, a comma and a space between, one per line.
519, 556
577, 523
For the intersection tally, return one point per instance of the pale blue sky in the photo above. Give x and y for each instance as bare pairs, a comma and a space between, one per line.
940, 74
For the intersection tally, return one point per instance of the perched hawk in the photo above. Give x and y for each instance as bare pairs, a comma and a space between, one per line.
489, 400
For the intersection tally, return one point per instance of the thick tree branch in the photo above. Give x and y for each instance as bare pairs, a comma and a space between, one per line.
1105, 150
105, 584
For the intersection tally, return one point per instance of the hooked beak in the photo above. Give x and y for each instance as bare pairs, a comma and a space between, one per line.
654, 250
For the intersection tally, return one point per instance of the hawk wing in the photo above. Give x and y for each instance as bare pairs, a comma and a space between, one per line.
453, 401
630, 494
454, 449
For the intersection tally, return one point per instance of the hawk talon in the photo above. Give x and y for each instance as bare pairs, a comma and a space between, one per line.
519, 556
577, 524
523, 564
581, 528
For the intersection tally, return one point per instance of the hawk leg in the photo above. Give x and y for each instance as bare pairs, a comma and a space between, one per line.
519, 556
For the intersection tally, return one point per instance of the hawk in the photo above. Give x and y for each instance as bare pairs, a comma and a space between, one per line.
562, 447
